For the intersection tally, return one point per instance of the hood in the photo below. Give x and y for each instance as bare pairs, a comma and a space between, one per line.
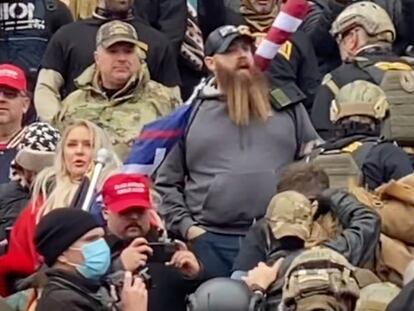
89, 81
209, 89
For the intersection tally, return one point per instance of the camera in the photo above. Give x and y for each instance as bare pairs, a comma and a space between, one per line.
162, 251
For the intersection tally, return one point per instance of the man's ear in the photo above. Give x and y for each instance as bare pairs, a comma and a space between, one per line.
26, 104
315, 208
96, 57
210, 63
62, 258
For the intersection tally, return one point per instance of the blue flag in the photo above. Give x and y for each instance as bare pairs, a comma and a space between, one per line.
156, 140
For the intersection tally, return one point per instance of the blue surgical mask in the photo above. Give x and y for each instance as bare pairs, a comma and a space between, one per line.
97, 259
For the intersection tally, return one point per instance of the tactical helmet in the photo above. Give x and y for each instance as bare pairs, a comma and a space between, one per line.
222, 294
368, 15
318, 279
376, 297
359, 98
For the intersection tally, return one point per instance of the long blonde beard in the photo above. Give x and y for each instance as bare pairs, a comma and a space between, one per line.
246, 95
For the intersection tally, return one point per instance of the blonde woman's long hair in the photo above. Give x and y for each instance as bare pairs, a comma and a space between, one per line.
54, 186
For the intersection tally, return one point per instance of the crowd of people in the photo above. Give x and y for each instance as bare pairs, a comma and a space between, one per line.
148, 163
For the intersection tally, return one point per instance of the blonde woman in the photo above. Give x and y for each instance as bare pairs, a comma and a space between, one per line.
55, 187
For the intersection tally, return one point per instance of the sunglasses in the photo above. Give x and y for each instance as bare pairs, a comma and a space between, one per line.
9, 93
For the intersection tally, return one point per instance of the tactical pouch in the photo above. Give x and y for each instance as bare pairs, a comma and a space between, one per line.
285, 96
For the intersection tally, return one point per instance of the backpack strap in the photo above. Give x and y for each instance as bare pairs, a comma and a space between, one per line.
361, 153
285, 98
374, 72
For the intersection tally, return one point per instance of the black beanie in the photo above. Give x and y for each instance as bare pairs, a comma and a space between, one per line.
59, 229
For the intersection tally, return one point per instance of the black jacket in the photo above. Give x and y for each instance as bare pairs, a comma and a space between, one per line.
167, 16
385, 161
356, 242
346, 73
13, 199
71, 292
168, 287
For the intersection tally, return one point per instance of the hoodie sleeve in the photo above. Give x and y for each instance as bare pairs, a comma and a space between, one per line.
361, 228
170, 181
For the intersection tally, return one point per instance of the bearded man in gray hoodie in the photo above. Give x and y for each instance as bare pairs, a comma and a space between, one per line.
220, 177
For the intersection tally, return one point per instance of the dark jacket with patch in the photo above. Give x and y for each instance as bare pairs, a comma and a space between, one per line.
71, 292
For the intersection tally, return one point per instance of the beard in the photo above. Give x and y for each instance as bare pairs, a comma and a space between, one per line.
246, 91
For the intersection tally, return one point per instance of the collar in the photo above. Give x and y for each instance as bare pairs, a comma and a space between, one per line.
76, 279
103, 14
14, 141
89, 80
345, 141
376, 49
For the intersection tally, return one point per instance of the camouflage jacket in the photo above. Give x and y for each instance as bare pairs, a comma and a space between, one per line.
124, 114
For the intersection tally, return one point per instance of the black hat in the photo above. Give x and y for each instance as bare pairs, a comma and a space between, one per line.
220, 39
59, 229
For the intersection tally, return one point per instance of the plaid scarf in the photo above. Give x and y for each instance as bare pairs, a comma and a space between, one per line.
192, 49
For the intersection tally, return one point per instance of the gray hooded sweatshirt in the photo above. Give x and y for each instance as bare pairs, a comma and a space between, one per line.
221, 176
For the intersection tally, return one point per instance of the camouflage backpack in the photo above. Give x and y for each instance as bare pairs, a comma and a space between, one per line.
376, 297
344, 166
396, 79
320, 279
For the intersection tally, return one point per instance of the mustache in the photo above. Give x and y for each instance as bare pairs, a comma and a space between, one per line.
243, 64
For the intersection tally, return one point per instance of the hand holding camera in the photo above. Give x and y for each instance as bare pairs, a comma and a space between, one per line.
186, 262
136, 255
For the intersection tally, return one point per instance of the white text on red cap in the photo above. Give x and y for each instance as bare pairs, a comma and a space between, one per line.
9, 73
131, 187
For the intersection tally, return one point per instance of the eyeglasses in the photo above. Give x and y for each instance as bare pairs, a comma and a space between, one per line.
9, 94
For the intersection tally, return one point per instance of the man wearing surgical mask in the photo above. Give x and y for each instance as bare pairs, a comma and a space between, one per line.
72, 245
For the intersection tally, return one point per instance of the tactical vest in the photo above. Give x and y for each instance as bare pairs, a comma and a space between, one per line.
396, 79
318, 282
344, 166
23, 33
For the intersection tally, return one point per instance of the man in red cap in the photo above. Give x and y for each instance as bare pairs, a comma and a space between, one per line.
131, 236
14, 103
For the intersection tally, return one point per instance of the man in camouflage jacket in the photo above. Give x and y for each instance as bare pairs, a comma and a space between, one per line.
116, 92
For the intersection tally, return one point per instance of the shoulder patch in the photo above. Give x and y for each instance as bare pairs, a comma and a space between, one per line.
352, 147
286, 50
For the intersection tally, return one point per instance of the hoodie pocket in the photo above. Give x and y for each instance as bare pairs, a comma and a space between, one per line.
238, 199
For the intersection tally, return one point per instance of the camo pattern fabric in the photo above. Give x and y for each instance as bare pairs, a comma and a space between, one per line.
124, 114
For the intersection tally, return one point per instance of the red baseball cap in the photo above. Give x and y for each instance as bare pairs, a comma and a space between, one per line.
124, 191
13, 77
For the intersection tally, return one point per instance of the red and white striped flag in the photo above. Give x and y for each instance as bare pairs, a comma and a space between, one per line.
286, 23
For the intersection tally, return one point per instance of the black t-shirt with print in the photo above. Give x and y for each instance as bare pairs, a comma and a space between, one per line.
25, 29
71, 51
